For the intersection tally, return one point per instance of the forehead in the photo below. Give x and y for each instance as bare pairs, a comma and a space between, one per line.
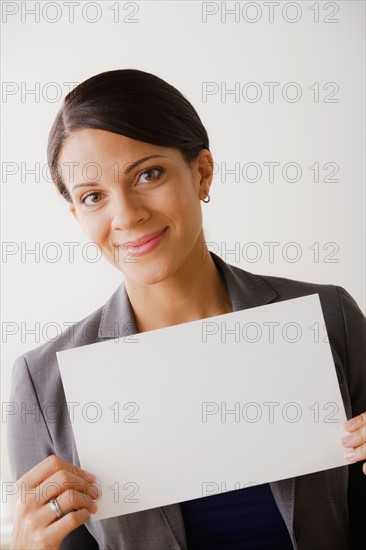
94, 145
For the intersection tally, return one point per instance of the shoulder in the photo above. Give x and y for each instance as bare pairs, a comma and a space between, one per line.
341, 312
81, 333
40, 363
344, 320
260, 289
336, 301
248, 289
287, 289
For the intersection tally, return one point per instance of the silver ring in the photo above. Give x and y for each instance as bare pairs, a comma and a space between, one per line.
55, 508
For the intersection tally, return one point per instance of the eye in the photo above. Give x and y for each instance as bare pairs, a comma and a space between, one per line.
91, 199
151, 174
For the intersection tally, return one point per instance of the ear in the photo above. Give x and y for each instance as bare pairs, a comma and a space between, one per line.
205, 168
73, 211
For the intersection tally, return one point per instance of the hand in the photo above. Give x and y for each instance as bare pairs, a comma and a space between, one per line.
356, 440
36, 526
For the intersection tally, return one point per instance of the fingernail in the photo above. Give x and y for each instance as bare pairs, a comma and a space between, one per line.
93, 491
89, 476
349, 423
351, 457
346, 439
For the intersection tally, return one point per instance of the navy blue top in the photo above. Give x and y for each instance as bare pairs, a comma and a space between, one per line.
235, 520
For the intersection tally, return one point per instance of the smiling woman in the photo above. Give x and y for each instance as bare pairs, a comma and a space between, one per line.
137, 205
131, 157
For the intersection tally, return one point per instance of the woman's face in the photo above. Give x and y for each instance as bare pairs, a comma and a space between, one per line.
118, 198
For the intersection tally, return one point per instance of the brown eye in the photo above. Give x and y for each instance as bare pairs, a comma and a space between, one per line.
151, 174
91, 199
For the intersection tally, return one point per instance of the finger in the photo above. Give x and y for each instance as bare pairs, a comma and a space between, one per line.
59, 529
49, 466
68, 502
364, 468
355, 423
63, 480
73, 500
355, 439
357, 454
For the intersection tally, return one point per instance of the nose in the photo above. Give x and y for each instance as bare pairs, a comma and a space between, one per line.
127, 211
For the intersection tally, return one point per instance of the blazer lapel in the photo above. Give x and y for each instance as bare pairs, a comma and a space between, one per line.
117, 317
246, 290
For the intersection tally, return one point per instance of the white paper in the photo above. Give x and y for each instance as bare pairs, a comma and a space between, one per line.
150, 412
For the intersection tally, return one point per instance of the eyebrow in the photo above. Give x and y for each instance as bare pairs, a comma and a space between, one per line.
127, 170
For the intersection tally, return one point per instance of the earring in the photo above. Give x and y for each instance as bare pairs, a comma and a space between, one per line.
207, 197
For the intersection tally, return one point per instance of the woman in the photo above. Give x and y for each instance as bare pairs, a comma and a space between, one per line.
131, 157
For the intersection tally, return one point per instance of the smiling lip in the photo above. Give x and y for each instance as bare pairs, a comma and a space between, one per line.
145, 244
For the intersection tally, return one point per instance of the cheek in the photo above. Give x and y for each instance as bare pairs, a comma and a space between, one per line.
190, 210
95, 227
181, 202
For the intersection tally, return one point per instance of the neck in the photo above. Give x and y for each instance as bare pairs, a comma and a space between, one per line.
197, 290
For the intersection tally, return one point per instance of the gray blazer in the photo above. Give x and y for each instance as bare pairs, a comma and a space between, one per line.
322, 511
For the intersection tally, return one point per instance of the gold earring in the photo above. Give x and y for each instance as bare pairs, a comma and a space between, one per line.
207, 197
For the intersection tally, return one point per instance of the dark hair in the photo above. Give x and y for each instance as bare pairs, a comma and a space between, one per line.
132, 103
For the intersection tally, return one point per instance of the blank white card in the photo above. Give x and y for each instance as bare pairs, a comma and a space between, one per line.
213, 405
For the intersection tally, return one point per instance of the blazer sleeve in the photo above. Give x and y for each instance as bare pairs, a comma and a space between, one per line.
354, 323
30, 442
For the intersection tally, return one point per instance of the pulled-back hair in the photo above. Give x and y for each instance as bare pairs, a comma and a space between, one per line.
132, 103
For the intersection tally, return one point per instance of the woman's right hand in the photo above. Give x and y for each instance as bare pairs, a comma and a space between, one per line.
36, 526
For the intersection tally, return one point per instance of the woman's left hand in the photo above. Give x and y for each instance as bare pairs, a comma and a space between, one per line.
356, 440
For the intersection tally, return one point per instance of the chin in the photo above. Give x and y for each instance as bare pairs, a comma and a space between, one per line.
149, 273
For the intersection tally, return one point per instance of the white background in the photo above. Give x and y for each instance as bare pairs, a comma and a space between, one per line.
171, 40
